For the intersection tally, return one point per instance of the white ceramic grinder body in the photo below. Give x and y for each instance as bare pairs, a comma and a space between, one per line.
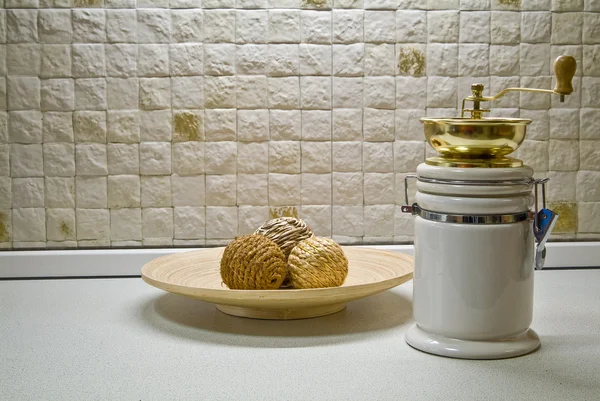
474, 262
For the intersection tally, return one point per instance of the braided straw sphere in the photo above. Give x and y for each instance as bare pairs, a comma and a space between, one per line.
286, 232
253, 262
317, 262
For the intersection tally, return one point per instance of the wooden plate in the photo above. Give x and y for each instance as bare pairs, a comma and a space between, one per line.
196, 274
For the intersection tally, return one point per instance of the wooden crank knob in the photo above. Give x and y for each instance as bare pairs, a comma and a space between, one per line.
564, 69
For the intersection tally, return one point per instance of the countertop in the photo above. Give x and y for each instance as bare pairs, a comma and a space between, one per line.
121, 339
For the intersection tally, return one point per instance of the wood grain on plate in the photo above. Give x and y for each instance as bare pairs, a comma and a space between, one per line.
196, 274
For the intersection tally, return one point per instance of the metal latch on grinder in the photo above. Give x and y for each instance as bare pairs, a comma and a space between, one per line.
544, 221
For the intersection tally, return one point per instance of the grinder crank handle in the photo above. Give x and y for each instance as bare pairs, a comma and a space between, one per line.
564, 69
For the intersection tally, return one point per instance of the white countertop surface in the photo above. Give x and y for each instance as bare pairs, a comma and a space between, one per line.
120, 339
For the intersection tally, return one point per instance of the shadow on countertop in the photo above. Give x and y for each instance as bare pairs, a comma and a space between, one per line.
200, 321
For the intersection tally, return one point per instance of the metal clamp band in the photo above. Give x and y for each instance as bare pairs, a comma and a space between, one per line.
492, 183
471, 218
527, 181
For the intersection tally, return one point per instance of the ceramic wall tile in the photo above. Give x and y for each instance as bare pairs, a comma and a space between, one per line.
29, 224
188, 122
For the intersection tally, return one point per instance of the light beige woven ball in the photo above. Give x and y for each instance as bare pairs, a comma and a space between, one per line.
286, 232
317, 262
253, 262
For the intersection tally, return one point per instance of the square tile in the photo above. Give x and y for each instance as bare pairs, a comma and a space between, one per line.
567, 28
121, 26
26, 160
378, 157
59, 159
221, 190
188, 190
284, 189
347, 92
348, 60
316, 157
89, 126
251, 26
380, 26
252, 189
90, 159
157, 223
474, 27
123, 158
59, 192
25, 126
188, 158
89, 25
21, 59
155, 93
155, 158
347, 26
380, 59
348, 220
347, 156
285, 124
347, 188
126, 224
90, 94
316, 125
378, 125
156, 191
251, 92
379, 92
187, 92
186, 59
220, 124
153, 25
250, 218
443, 26
219, 26
283, 59
124, 191
224, 222
121, 60
379, 220
91, 193
28, 224
315, 59
315, 92
219, 59
220, 157
153, 60
411, 26
55, 61
188, 125
219, 92
22, 93
347, 124
253, 125
187, 25
284, 26
284, 157
283, 92
60, 224
27, 192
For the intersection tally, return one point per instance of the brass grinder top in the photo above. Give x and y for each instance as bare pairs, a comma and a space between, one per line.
485, 142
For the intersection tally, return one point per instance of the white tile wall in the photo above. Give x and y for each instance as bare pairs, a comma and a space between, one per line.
188, 122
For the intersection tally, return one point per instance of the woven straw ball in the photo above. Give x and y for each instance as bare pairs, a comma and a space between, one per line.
317, 262
286, 232
253, 262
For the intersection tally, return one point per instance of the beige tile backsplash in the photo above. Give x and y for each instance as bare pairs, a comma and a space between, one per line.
188, 122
